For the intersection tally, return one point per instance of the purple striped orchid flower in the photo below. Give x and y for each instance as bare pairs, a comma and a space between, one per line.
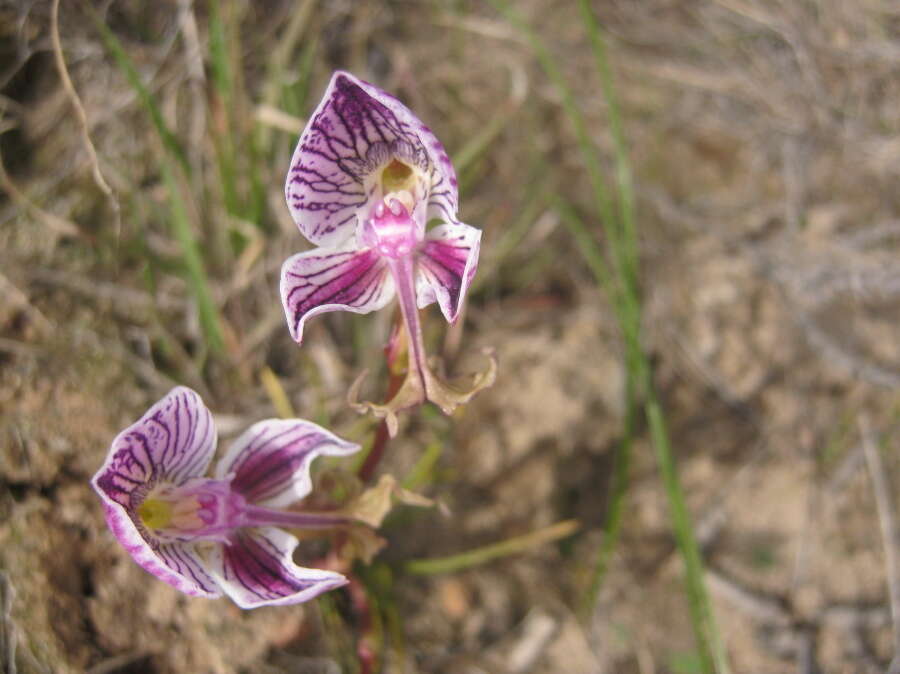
225, 534
365, 179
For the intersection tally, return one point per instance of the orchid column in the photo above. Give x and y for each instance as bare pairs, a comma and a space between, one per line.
365, 179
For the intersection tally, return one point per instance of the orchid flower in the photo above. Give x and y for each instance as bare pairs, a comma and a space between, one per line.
205, 536
365, 179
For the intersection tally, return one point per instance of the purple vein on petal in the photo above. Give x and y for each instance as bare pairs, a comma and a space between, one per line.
327, 280
259, 474
256, 569
356, 129
446, 264
160, 446
269, 474
270, 462
184, 562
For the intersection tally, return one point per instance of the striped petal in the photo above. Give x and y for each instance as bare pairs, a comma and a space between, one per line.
446, 263
173, 442
269, 464
356, 132
177, 564
322, 280
257, 569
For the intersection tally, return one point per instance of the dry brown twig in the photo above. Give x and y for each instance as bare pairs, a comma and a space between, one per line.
19, 299
54, 223
888, 530
81, 116
193, 57
7, 629
844, 357
751, 602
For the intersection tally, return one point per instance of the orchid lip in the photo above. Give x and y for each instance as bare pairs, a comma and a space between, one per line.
391, 231
199, 510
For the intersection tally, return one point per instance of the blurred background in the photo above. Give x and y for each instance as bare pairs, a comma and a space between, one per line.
691, 223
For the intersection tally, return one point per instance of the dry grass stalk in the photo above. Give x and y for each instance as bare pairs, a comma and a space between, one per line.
81, 116
888, 525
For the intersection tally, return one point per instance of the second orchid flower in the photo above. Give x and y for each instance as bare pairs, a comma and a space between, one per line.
207, 536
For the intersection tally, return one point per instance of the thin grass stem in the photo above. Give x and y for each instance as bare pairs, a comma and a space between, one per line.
488, 553
210, 320
126, 65
620, 280
277, 395
624, 182
421, 473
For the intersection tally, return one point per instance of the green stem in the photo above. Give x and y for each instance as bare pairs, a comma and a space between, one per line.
712, 650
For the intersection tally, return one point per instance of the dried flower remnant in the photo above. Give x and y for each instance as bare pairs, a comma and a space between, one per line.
366, 177
209, 536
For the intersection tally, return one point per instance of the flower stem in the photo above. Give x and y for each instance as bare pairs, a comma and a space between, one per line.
404, 279
261, 516
374, 456
382, 436
365, 651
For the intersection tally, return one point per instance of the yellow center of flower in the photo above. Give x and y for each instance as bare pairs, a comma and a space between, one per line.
154, 513
397, 176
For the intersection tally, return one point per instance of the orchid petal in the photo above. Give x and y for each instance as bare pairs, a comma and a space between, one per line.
356, 131
257, 569
443, 197
173, 442
269, 463
177, 564
445, 266
322, 280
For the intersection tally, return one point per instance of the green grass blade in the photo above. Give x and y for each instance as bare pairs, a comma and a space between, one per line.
624, 182
223, 85
378, 579
639, 382
339, 640
488, 553
218, 53
237, 147
476, 147
612, 524
589, 157
277, 68
422, 473
712, 650
587, 244
210, 321
304, 82
126, 65
621, 281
